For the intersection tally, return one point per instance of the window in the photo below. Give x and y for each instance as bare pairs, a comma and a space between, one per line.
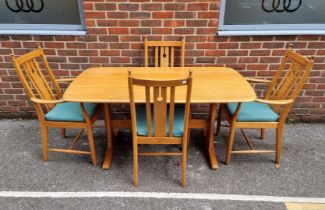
272, 17
42, 17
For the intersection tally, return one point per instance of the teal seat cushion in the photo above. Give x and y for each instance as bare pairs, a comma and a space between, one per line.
178, 125
253, 112
70, 112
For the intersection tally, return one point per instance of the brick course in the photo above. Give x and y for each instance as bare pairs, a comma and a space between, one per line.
115, 34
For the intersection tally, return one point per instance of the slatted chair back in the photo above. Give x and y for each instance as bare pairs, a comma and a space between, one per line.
282, 91
164, 52
290, 77
36, 83
46, 95
156, 94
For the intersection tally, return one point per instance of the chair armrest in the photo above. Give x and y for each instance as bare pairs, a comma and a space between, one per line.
276, 102
43, 101
257, 80
66, 79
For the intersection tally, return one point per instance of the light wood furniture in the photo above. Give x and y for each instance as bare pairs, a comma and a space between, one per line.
48, 102
282, 91
164, 52
211, 85
159, 112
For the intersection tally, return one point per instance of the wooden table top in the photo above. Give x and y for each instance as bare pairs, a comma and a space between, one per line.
110, 84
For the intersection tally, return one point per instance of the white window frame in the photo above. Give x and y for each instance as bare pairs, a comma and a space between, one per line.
47, 29
269, 29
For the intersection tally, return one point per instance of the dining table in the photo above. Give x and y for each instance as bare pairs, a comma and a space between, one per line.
109, 85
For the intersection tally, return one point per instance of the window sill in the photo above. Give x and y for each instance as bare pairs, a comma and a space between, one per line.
271, 32
42, 32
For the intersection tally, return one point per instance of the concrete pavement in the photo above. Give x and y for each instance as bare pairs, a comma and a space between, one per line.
302, 172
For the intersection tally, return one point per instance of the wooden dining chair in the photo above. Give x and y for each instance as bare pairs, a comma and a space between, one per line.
159, 122
164, 52
52, 111
272, 111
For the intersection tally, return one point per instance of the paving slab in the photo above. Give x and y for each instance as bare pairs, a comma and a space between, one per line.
302, 172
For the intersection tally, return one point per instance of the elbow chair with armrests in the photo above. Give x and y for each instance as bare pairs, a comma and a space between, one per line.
159, 122
52, 111
272, 111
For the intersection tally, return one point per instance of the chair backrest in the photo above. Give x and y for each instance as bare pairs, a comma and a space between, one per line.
156, 94
164, 52
36, 83
290, 77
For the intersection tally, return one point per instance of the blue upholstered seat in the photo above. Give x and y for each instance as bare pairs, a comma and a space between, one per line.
253, 112
70, 112
178, 125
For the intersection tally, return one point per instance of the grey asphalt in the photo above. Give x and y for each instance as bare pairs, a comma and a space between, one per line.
302, 172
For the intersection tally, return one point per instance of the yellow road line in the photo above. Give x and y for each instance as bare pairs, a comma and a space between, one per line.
305, 206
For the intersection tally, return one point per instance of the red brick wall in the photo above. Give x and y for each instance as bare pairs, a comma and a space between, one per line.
116, 30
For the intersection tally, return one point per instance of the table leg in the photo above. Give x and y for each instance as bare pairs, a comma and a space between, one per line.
110, 137
210, 136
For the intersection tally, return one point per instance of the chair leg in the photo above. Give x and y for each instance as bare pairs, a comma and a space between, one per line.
189, 130
135, 163
63, 133
44, 133
188, 137
247, 139
279, 132
91, 144
230, 143
263, 133
76, 139
219, 119
184, 162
